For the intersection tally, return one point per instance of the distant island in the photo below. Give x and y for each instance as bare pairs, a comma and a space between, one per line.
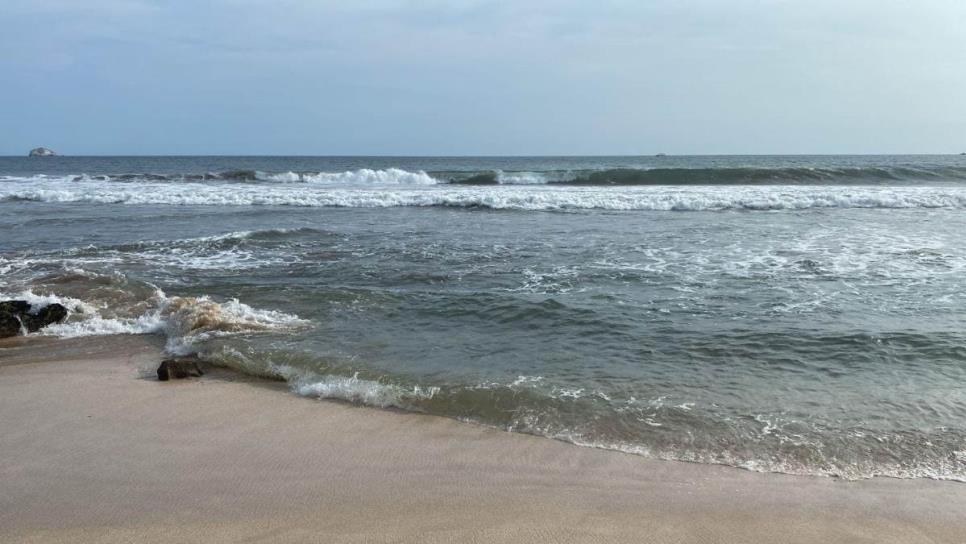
41, 152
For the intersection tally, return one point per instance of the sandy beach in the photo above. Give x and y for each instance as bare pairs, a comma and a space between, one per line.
94, 449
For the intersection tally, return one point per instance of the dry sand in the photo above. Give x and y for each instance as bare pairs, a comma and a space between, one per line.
92, 451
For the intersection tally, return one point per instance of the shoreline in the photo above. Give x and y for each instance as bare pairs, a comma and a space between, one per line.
95, 449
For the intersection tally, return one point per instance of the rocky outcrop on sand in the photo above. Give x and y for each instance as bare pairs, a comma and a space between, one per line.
41, 152
18, 316
179, 369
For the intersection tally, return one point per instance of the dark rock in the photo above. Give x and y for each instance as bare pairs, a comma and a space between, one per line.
48, 315
15, 306
10, 315
179, 369
9, 324
15, 315
41, 152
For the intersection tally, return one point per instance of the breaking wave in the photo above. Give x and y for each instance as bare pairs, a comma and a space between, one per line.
542, 197
189, 320
864, 175
363, 176
767, 176
185, 321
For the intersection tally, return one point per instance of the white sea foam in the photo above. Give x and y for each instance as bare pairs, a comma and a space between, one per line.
185, 321
189, 320
364, 176
354, 389
953, 471
526, 381
36, 302
214, 253
284, 177
84, 319
309, 383
95, 325
535, 197
521, 178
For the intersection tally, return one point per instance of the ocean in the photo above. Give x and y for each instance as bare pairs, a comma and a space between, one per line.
799, 314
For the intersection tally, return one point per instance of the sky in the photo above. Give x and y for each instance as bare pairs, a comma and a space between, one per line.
482, 77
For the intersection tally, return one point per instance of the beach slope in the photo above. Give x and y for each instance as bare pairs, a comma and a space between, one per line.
93, 449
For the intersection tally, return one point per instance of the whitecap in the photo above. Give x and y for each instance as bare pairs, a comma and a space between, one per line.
334, 190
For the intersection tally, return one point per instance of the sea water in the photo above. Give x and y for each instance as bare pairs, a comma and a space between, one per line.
794, 314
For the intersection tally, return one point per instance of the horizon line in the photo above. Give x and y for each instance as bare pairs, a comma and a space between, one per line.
486, 156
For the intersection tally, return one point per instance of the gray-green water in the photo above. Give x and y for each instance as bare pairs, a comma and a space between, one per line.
794, 314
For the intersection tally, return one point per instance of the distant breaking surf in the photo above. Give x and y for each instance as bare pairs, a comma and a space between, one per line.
860, 175
373, 193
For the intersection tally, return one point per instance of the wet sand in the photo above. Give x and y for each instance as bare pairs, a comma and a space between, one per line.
94, 449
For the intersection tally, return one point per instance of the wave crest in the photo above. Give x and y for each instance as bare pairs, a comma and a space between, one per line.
364, 176
766, 176
624, 176
189, 320
697, 198
185, 321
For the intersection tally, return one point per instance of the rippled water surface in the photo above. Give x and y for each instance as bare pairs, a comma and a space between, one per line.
797, 314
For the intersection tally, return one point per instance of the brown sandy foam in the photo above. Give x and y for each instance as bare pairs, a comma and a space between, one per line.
91, 451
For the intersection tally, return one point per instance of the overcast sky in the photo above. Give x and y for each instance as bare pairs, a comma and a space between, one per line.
482, 77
